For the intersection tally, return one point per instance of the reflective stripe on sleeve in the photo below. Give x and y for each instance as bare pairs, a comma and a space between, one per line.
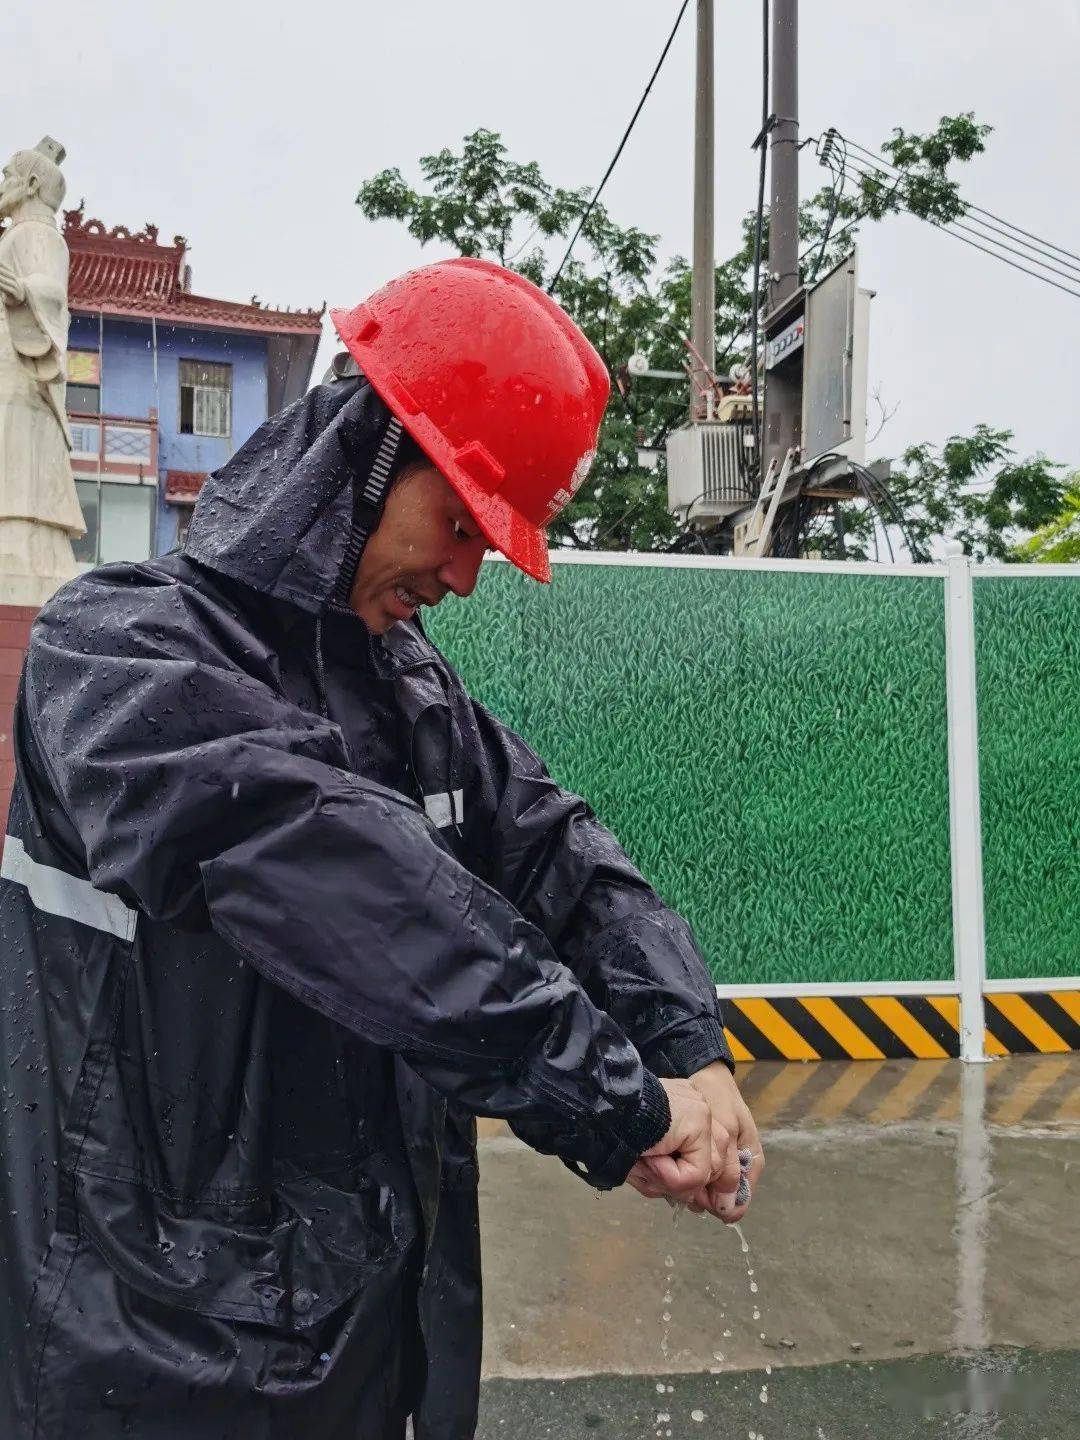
57, 893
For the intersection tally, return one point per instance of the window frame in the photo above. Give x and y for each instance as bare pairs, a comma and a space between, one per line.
106, 482
75, 355
195, 389
81, 409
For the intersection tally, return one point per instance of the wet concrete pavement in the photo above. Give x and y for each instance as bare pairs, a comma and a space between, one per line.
1002, 1395
909, 1209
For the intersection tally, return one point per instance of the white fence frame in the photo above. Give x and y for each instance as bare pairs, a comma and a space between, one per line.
958, 575
965, 806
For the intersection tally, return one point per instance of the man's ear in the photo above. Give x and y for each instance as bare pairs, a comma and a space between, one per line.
33, 185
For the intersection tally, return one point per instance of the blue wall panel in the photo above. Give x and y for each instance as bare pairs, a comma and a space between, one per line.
128, 388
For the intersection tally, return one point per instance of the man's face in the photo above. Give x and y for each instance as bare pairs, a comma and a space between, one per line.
15, 187
426, 545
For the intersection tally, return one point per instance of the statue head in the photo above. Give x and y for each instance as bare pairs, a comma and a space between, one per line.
33, 175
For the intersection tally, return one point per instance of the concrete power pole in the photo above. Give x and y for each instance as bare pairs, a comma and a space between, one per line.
703, 282
783, 392
784, 153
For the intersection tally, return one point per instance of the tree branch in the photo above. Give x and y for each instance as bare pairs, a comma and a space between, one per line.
886, 415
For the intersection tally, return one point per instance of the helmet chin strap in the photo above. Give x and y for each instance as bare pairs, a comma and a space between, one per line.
369, 498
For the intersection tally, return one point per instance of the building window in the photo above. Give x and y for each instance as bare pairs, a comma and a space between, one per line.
86, 547
205, 398
119, 522
84, 382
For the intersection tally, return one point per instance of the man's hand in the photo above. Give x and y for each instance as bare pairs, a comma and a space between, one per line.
11, 287
691, 1157
681, 1164
733, 1120
727, 1191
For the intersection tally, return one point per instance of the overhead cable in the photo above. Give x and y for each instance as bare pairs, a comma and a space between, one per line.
975, 209
980, 229
992, 247
980, 234
621, 146
839, 174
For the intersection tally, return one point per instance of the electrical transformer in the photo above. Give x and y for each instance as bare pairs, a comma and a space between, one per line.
815, 361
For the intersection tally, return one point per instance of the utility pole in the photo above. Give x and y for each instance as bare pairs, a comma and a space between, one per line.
784, 153
783, 386
703, 282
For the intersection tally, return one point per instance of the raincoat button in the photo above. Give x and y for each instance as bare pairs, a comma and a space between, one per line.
302, 1301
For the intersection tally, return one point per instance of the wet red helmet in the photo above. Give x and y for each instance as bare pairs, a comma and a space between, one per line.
497, 386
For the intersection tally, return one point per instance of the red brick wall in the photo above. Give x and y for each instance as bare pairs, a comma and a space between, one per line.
15, 622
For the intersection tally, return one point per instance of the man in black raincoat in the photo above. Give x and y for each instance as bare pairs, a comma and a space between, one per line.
281, 910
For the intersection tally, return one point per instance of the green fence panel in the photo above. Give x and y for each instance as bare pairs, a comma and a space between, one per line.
1027, 646
769, 746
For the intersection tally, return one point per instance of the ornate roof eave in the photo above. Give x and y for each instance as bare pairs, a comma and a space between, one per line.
204, 313
130, 274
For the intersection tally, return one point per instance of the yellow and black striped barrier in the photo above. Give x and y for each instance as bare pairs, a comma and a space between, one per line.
1037, 1090
897, 1027
1033, 1092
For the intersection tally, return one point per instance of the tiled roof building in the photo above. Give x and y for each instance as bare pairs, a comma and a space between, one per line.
120, 272
163, 383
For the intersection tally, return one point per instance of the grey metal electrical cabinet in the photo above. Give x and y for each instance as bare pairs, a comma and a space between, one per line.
835, 364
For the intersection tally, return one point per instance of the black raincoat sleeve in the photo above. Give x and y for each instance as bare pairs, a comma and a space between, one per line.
207, 800
545, 850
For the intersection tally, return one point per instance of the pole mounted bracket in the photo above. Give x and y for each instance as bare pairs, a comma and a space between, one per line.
763, 134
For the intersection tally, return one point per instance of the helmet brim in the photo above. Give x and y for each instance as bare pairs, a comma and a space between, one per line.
523, 543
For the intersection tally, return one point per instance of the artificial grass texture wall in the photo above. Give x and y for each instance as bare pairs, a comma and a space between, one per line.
1027, 645
769, 747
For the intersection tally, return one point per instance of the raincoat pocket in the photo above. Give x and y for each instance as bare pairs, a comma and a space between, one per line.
287, 1263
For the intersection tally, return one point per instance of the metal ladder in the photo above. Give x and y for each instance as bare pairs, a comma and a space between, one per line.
757, 537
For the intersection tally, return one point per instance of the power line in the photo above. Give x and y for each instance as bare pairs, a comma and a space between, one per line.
877, 168
839, 176
1011, 263
1038, 252
981, 227
1012, 234
961, 232
977, 209
849, 225
621, 147
830, 135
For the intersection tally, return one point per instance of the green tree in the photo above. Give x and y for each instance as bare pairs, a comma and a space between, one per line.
478, 201
971, 489
1058, 541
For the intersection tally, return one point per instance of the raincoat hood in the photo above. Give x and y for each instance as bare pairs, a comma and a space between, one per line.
283, 514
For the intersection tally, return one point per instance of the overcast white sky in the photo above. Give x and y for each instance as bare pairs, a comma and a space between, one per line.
249, 128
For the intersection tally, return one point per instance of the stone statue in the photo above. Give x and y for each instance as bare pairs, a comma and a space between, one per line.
39, 509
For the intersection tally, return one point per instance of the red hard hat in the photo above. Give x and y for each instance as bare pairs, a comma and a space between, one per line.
497, 386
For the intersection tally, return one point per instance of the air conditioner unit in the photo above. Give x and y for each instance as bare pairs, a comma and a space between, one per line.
706, 467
